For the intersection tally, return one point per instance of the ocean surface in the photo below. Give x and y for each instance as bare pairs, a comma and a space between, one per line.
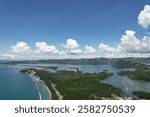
15, 85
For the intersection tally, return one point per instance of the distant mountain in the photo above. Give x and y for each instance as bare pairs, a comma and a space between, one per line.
63, 61
4, 61
122, 62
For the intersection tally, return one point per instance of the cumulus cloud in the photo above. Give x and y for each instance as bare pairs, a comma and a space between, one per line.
129, 42
22, 51
6, 56
129, 45
44, 48
104, 48
19, 51
73, 46
20, 47
89, 49
144, 17
75, 51
145, 45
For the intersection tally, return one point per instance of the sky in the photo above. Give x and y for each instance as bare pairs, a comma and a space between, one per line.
47, 29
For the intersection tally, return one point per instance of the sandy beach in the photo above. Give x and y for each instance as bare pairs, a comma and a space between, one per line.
37, 79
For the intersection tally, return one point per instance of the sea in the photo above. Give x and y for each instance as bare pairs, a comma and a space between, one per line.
15, 85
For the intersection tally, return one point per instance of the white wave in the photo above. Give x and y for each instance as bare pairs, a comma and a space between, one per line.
40, 97
36, 81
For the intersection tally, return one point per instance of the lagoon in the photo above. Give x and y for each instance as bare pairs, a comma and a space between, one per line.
123, 82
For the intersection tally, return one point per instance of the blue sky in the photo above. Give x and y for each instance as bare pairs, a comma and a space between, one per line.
88, 22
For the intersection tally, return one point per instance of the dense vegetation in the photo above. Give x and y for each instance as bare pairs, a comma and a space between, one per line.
142, 72
123, 64
142, 94
78, 85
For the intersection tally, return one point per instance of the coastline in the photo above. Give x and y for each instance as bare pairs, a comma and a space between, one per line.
35, 79
60, 97
49, 93
53, 93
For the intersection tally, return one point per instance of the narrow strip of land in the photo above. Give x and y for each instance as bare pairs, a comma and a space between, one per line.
75, 85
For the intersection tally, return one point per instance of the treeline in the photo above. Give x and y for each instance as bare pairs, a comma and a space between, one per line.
141, 72
142, 94
124, 64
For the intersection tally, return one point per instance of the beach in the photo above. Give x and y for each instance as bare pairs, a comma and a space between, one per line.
38, 80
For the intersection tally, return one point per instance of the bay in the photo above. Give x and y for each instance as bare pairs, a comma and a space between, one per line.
16, 85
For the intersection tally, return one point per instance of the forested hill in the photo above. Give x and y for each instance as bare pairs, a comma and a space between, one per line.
116, 62
95, 61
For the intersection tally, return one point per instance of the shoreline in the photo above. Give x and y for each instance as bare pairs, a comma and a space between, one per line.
35, 79
60, 97
49, 92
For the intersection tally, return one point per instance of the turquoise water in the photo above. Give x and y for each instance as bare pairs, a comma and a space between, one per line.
15, 85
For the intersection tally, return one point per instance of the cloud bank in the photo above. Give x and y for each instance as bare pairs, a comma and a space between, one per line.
129, 46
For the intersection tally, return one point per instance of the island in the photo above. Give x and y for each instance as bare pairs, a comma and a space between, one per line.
141, 72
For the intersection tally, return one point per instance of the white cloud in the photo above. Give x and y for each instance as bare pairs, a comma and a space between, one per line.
129, 45
19, 51
75, 51
129, 42
144, 17
89, 49
104, 48
145, 45
44, 48
20, 47
6, 56
73, 46
22, 51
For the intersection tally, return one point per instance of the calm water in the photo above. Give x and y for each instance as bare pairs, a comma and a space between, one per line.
15, 85
123, 82
18, 86
127, 85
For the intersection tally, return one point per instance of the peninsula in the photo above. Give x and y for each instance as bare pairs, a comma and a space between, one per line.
75, 85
